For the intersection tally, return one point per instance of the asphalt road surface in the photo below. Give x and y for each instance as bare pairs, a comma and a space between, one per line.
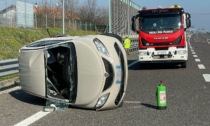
188, 97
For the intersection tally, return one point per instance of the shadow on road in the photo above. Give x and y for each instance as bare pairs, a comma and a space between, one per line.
25, 97
151, 66
149, 105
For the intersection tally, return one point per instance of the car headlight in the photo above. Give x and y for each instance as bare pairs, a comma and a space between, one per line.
102, 100
100, 46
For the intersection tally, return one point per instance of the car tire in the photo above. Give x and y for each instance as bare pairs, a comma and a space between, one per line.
114, 35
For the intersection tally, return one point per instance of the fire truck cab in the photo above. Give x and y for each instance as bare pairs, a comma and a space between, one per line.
162, 35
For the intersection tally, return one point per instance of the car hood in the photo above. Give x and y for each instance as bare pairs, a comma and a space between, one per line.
91, 74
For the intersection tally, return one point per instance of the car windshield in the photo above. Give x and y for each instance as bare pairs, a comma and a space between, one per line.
161, 22
44, 43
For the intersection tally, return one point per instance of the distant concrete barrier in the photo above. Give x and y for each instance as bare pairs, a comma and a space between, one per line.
9, 82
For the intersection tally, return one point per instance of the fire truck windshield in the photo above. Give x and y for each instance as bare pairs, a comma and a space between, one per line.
161, 22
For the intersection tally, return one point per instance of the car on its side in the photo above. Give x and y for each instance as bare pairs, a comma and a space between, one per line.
83, 71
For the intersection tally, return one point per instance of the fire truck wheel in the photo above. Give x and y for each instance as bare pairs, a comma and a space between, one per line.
141, 65
184, 65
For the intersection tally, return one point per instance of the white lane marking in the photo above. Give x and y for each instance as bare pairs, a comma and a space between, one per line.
201, 66
10, 90
192, 50
193, 53
206, 77
195, 56
132, 102
197, 60
131, 64
32, 118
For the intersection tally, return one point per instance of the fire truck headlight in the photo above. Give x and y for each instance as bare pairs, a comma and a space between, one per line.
100, 46
143, 53
181, 52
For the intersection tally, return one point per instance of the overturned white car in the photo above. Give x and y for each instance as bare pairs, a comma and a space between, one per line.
87, 72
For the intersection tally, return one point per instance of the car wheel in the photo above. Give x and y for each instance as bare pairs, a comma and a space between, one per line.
114, 35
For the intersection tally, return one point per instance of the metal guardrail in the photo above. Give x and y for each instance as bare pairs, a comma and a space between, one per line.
9, 66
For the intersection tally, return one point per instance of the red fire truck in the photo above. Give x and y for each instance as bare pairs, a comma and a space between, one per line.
162, 35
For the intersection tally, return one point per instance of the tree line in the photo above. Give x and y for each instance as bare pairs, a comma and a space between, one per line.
83, 10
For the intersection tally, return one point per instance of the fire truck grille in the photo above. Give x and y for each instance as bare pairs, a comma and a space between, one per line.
176, 42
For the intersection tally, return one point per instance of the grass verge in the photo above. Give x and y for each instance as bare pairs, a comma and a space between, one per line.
12, 39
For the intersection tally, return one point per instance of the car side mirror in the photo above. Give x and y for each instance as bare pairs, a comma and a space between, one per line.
188, 22
188, 15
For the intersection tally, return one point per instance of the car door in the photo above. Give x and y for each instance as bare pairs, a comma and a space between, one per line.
32, 71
